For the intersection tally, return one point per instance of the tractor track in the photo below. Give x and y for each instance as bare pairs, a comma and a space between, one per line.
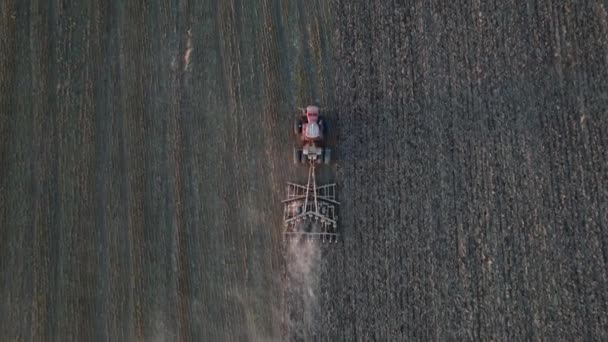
144, 149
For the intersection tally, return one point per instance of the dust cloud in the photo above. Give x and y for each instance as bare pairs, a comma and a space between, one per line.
303, 266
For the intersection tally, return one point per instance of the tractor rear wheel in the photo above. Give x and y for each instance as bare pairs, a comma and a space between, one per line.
297, 156
326, 156
297, 127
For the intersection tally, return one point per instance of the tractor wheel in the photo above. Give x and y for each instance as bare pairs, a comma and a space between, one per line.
326, 156
297, 127
297, 156
324, 126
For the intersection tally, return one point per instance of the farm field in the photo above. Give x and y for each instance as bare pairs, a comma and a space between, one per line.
144, 148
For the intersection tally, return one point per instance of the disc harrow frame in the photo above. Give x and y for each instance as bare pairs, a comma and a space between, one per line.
310, 211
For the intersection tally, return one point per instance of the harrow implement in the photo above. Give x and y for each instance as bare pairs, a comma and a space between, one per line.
310, 211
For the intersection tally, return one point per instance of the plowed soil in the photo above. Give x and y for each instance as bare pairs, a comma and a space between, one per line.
144, 148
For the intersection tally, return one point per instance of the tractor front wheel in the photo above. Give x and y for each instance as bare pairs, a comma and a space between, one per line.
297, 127
297, 156
324, 126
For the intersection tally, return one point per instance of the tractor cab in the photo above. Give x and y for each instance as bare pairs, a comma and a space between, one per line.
312, 131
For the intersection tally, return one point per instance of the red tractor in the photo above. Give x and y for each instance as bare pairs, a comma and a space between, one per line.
311, 130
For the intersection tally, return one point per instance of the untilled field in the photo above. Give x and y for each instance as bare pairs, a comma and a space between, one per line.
144, 148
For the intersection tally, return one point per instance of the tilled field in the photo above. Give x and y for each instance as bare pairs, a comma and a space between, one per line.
144, 148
